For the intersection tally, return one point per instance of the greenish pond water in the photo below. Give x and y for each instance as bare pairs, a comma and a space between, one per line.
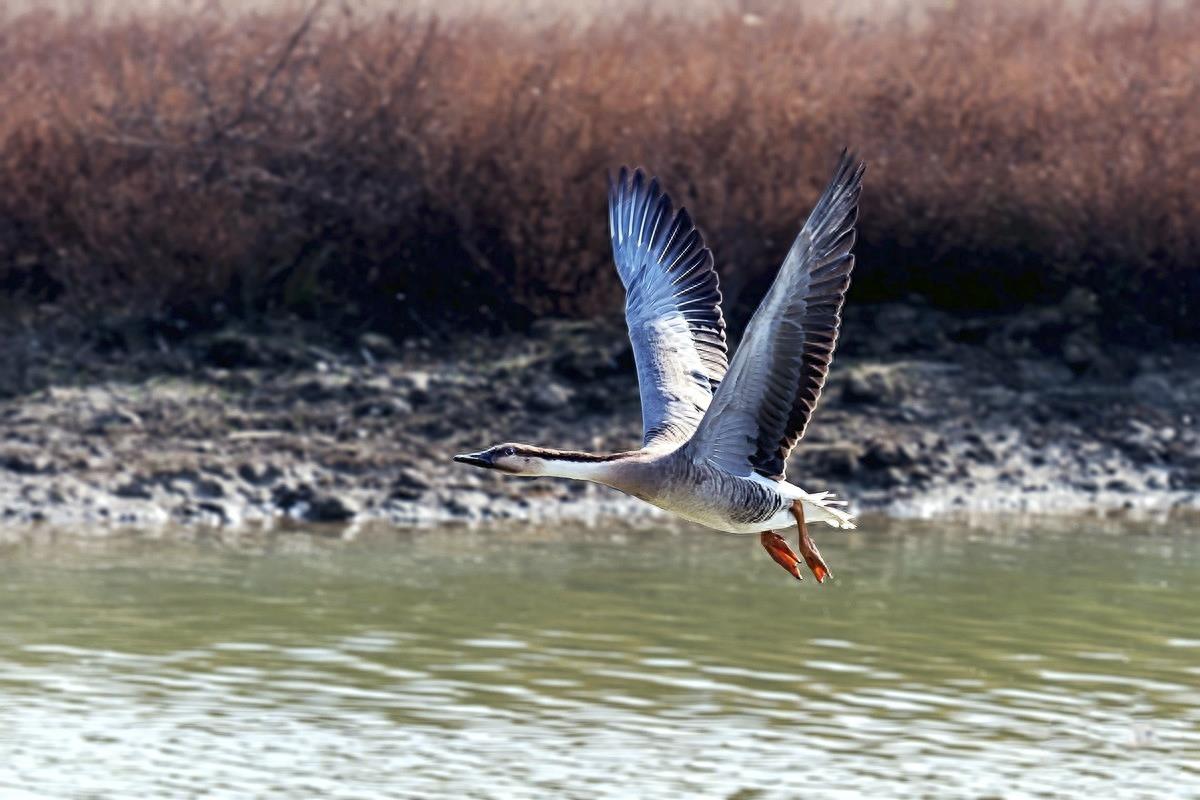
1010, 658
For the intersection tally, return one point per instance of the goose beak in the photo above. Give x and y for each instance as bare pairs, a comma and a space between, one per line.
480, 459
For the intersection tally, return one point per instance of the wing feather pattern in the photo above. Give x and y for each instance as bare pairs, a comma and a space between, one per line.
672, 306
764, 404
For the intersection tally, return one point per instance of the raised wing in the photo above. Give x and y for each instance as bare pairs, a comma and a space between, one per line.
763, 406
672, 306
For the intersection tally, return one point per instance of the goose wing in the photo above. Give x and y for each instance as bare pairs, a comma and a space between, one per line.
672, 306
762, 407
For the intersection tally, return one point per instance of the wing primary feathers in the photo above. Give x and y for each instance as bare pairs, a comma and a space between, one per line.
762, 408
672, 305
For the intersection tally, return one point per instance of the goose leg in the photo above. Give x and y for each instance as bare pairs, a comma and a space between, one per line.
808, 548
777, 547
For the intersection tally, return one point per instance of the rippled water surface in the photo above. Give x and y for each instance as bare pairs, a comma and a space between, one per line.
1006, 659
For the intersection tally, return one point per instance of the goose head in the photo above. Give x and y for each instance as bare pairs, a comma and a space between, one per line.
512, 458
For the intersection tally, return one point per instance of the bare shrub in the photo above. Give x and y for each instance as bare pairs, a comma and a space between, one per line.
181, 165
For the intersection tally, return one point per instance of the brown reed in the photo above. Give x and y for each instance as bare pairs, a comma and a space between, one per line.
214, 163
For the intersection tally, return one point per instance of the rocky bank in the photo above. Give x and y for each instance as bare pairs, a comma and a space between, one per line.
924, 413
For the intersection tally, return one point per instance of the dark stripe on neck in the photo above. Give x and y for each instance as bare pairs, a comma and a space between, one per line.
575, 455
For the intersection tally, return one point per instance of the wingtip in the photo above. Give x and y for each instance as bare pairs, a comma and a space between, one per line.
629, 176
851, 163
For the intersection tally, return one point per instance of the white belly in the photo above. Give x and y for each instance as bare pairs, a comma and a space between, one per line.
722, 523
815, 510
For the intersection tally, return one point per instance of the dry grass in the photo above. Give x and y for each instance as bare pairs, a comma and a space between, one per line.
208, 164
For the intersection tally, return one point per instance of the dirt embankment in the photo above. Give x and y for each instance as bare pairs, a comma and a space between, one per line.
924, 413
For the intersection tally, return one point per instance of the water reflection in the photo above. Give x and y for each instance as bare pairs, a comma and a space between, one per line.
1004, 659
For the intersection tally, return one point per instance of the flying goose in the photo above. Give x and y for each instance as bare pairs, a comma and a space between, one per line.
717, 435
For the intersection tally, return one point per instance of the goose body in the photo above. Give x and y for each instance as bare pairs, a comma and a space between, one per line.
717, 434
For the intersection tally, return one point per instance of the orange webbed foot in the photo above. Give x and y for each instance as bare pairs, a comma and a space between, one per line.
808, 548
778, 548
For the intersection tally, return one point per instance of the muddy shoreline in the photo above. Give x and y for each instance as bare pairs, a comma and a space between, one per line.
925, 413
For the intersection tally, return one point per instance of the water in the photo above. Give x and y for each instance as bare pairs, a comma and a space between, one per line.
1005, 659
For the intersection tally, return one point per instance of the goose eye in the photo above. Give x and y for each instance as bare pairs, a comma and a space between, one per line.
508, 451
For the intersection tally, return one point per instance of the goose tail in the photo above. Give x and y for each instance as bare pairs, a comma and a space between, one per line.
821, 507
